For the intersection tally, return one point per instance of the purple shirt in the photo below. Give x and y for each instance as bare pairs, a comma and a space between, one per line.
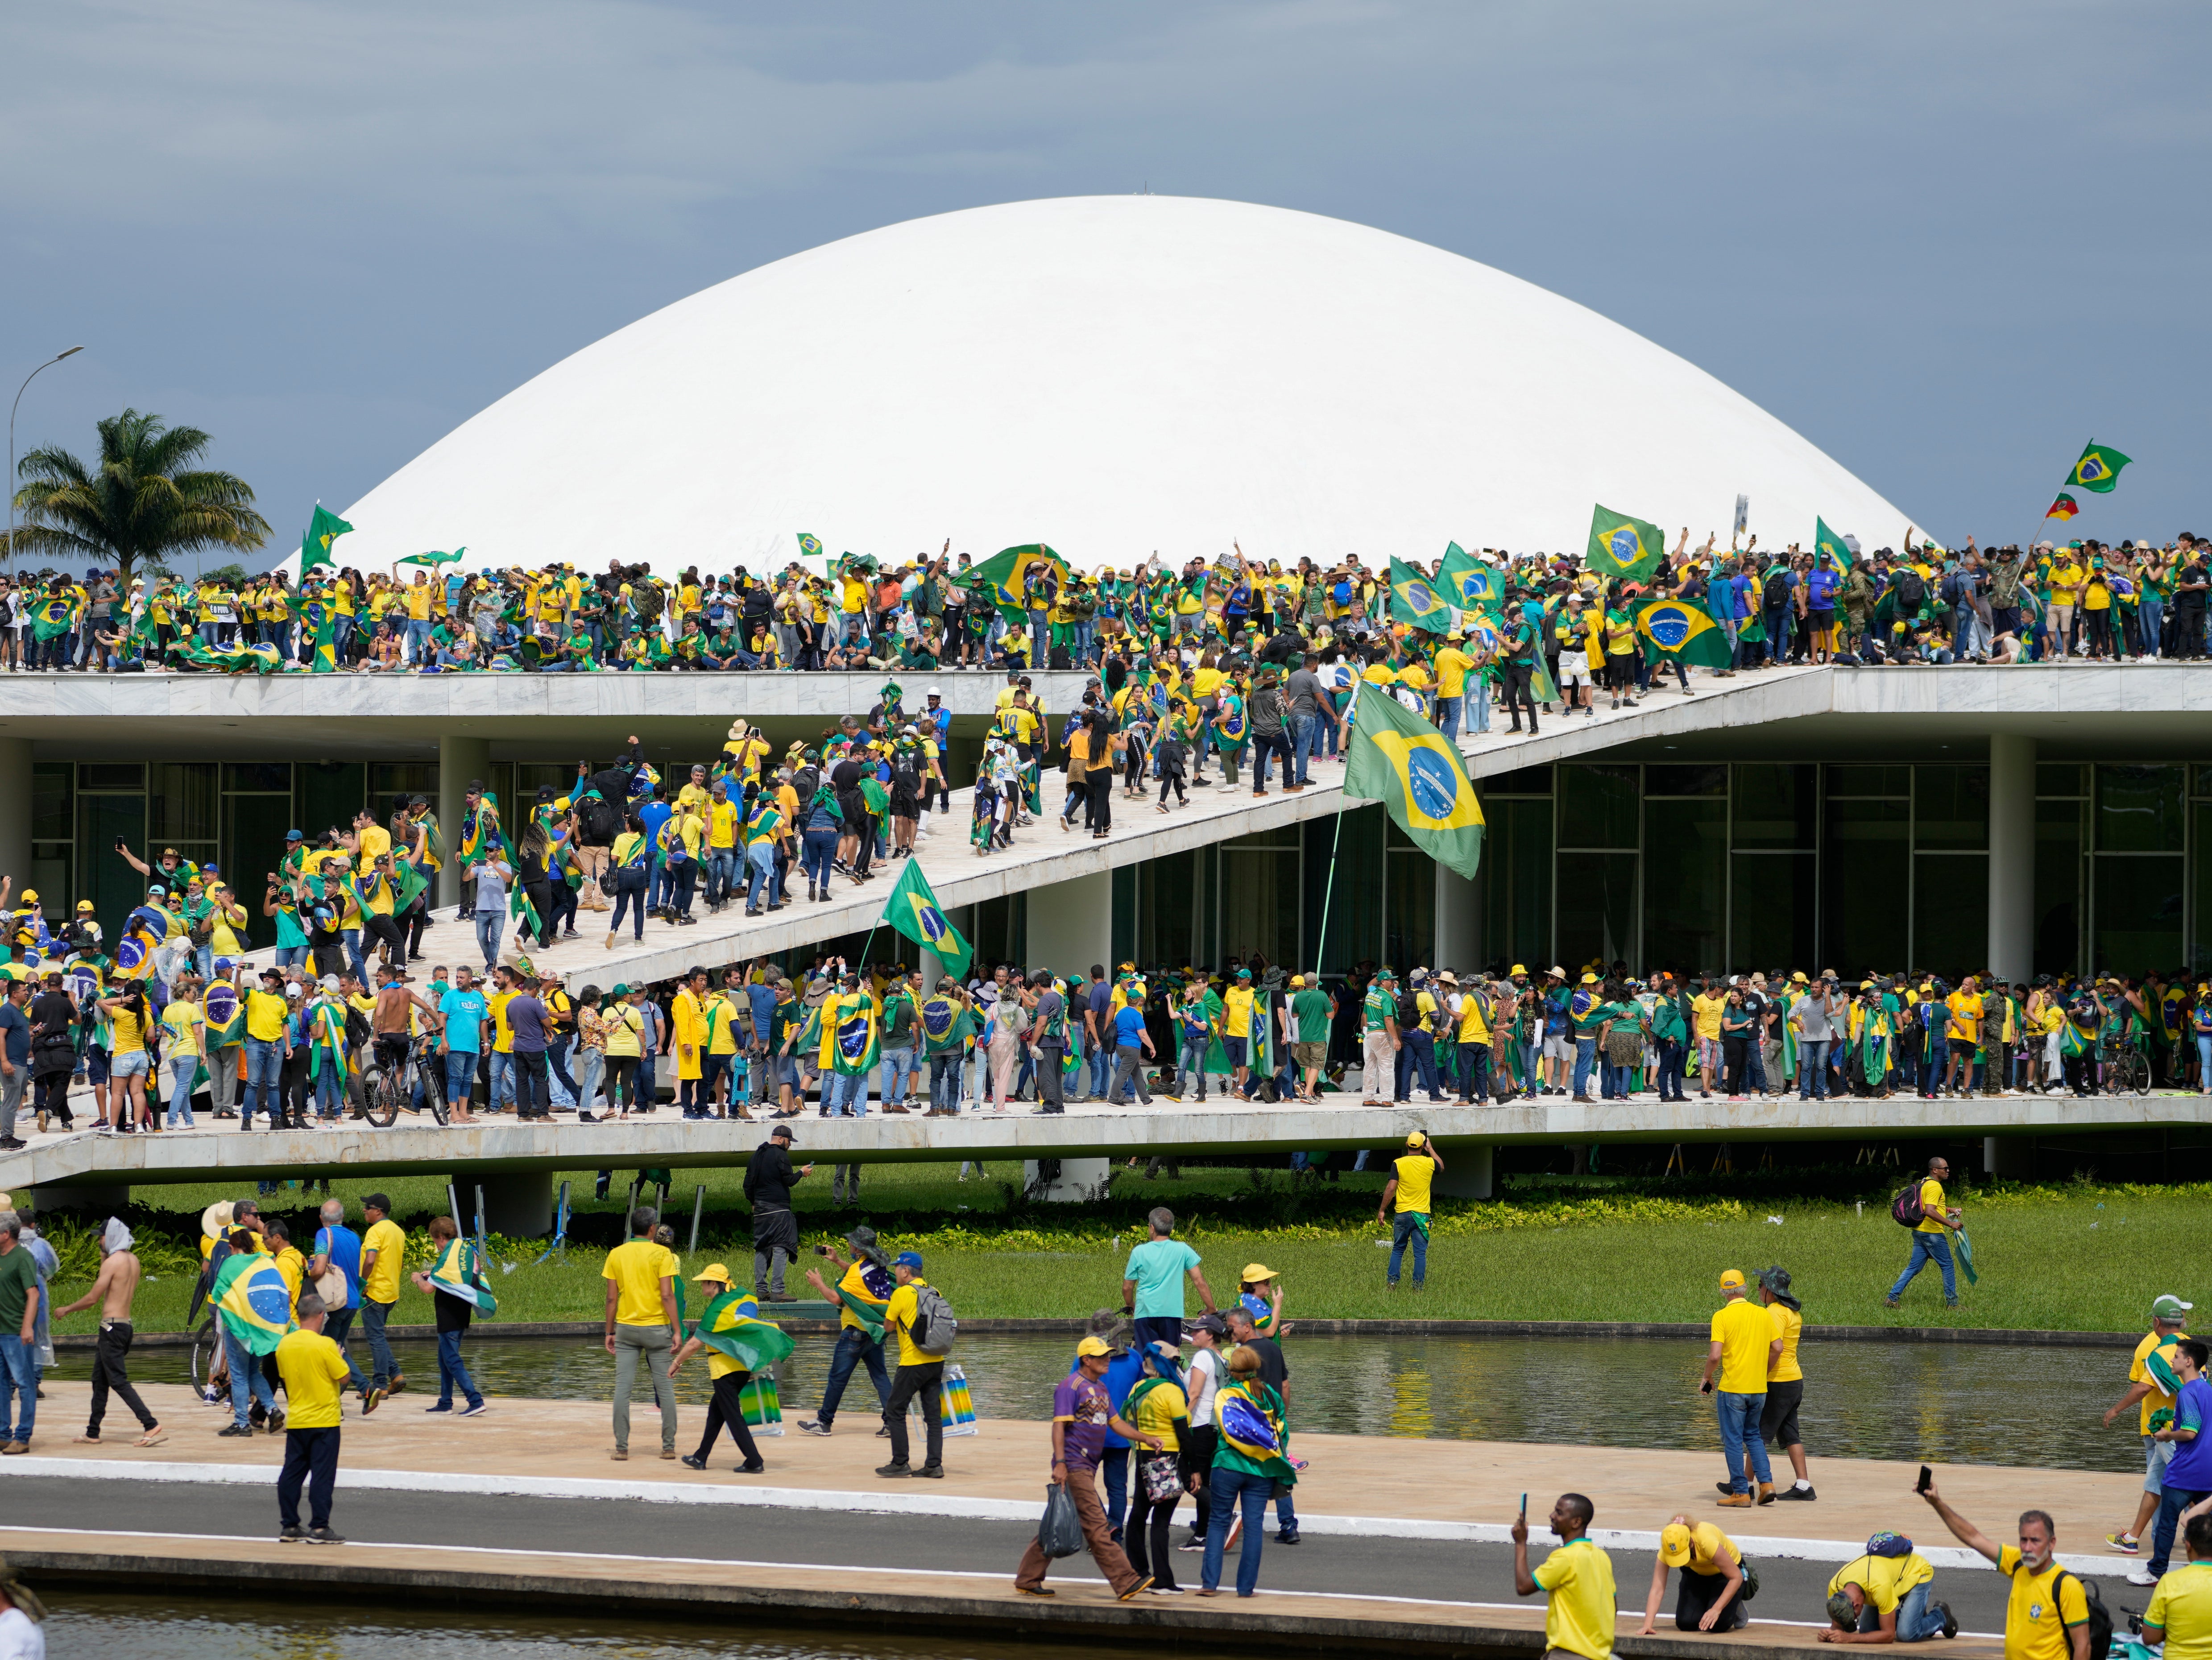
525, 1019
1081, 1402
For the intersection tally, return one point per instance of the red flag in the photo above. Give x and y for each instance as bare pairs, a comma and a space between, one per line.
2064, 507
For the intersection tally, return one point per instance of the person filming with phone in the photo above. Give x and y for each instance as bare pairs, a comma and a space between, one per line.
2047, 1614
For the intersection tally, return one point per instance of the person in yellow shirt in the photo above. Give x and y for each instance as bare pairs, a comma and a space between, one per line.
1576, 1578
313, 1369
2180, 1612
1237, 1027
921, 1373
862, 1293
1743, 1347
383, 1254
2150, 1396
1929, 1244
727, 1377
1452, 664
1412, 1177
1884, 1599
1785, 1378
1705, 1012
1158, 1406
1711, 1594
640, 1276
2047, 1614
1964, 1031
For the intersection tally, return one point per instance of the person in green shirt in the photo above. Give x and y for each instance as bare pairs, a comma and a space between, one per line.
1378, 1024
1312, 1009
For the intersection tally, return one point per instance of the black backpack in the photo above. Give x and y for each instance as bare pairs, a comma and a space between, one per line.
2100, 1617
1409, 1011
1905, 1209
1911, 592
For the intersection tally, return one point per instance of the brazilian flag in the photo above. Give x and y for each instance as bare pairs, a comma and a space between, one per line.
731, 1325
845, 1030
1829, 544
810, 545
1620, 546
1005, 576
432, 561
254, 1302
459, 1272
1414, 600
323, 529
2097, 469
1399, 759
1678, 632
946, 1024
326, 657
1470, 584
912, 909
52, 619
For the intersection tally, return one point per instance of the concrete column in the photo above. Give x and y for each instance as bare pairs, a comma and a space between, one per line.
1459, 936
1074, 1181
1071, 925
15, 820
459, 759
1468, 1174
2012, 857
518, 1202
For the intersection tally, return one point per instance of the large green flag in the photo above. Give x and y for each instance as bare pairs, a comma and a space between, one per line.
1829, 544
2099, 469
432, 561
1678, 632
1004, 577
1468, 582
1414, 600
912, 909
1623, 547
1399, 759
315, 546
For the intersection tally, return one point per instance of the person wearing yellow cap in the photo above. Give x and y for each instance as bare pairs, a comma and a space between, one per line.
1260, 1293
1713, 1588
1081, 1416
1744, 1345
727, 1377
1408, 1188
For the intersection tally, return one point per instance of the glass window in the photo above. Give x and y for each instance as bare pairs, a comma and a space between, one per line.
1950, 913
1685, 883
1525, 781
1596, 907
2200, 922
1859, 780
1172, 895
1409, 936
1259, 902
2139, 811
2203, 785
2058, 886
1597, 807
1685, 779
331, 792
1344, 875
111, 775
1952, 809
1517, 883
2135, 913
50, 801
1772, 910
2059, 778
1775, 806
253, 836
183, 806
257, 777
1865, 882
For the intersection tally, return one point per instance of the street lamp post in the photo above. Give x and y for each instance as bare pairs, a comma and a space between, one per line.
27, 379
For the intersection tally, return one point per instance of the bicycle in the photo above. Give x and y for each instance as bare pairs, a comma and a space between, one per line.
2128, 1071
391, 1088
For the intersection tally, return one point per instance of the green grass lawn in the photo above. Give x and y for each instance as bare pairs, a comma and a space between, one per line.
2077, 1257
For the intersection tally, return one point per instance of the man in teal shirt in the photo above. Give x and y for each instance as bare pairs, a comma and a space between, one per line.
1152, 1288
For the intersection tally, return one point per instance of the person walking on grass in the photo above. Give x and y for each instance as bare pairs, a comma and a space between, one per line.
1931, 1236
313, 1372
1413, 1174
1785, 1379
2150, 1378
113, 1288
1080, 1418
921, 1373
1151, 1285
640, 1321
2047, 1614
1576, 1578
1743, 1347
2189, 1473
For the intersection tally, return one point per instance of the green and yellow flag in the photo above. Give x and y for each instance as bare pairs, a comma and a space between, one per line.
1470, 584
52, 619
434, 560
731, 1325
315, 546
1676, 632
810, 547
1623, 547
459, 1272
254, 1303
912, 909
2097, 469
1005, 577
1399, 759
1829, 544
1415, 601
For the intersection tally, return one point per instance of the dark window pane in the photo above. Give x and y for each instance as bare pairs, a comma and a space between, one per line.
2136, 922
1864, 879
2200, 923
253, 842
1951, 914
1344, 873
1524, 781
2058, 886
1597, 807
1597, 907
1774, 806
1410, 933
263, 777
2058, 778
111, 775
2139, 810
1952, 809
331, 792
1685, 877
101, 876
1516, 883
1771, 919
1167, 917
1685, 781
183, 803
1869, 780
1124, 925
51, 785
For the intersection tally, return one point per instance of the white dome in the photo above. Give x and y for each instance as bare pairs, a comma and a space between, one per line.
1112, 375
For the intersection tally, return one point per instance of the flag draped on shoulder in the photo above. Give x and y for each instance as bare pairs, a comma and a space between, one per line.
459, 1272
731, 1325
1251, 1421
1397, 758
912, 909
846, 1028
1676, 631
1415, 600
1006, 577
1620, 546
254, 1302
2097, 469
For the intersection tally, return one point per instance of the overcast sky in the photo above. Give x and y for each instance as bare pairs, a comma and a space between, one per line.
1947, 243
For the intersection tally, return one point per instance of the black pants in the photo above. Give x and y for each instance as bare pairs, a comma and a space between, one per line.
927, 1382
107, 1373
416, 918
539, 896
1171, 781
1700, 1592
532, 1098
53, 1095
725, 1410
1516, 687
1050, 1079
1204, 1439
387, 933
1265, 745
621, 1080
310, 1456
1736, 1063
1146, 1536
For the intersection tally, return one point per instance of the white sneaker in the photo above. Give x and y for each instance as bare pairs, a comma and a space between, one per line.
2142, 1577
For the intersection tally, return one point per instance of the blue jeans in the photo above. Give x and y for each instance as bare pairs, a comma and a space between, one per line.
1102, 1071
1304, 729
19, 1387
1929, 1248
373, 1316
1418, 1058
1916, 1622
418, 637
291, 957
760, 861
247, 1386
853, 1349
1234, 1490
898, 1074
180, 1091
1448, 709
945, 1083
1620, 1082
460, 1075
329, 1090
1404, 1228
1114, 1466
490, 924
1739, 1416
721, 874
265, 1068
354, 960
2171, 1502
500, 1086
1585, 1055
452, 1372
1813, 1069
817, 851
845, 1094
1671, 1061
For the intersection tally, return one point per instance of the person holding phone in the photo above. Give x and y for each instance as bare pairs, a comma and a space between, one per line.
1743, 1347
1576, 1578
2047, 1614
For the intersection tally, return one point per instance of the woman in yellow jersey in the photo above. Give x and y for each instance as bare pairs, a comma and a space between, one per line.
1713, 1593
130, 1063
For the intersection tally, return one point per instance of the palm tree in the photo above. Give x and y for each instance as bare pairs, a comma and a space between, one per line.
140, 505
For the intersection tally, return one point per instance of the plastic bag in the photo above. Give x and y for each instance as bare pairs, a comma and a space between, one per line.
1060, 1533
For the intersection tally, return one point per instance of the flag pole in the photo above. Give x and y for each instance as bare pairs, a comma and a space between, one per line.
1329, 891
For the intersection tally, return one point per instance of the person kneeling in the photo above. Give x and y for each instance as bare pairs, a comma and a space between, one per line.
1715, 1586
1883, 1597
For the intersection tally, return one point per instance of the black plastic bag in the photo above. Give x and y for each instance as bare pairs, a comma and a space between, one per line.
1060, 1533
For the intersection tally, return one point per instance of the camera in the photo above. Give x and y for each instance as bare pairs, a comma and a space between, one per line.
822, 1250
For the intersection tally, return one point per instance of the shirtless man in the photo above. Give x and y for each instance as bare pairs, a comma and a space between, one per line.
113, 1288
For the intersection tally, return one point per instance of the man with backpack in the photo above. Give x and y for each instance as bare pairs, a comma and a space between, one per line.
1920, 1208
2188, 1476
926, 1327
2052, 1614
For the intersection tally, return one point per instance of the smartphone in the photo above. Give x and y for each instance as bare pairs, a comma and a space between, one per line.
1927, 1480
1524, 1507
